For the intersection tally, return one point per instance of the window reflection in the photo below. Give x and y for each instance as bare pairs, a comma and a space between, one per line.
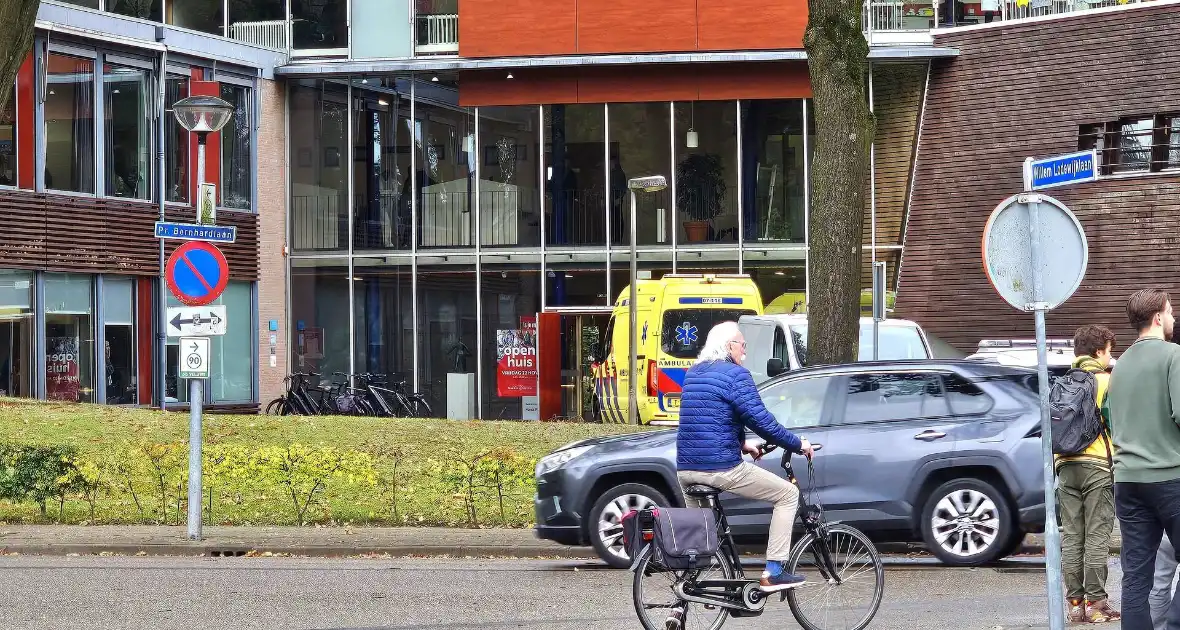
118, 304
509, 203
444, 139
575, 172
319, 172
382, 153
236, 148
144, 9
8, 151
16, 333
706, 171
319, 24
639, 135
69, 338
69, 124
199, 15
176, 141
772, 167
128, 131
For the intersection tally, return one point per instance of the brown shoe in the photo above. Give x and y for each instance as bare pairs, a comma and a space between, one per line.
1077, 611
1101, 612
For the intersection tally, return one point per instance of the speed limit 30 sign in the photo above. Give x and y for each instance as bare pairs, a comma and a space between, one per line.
194, 357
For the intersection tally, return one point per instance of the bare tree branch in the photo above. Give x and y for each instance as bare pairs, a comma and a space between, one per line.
16, 40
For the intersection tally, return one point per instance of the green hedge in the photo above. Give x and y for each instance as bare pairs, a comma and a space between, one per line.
248, 484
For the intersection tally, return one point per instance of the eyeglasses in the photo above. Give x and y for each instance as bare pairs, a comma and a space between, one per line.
741, 342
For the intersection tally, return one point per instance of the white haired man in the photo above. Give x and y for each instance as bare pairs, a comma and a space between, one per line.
718, 404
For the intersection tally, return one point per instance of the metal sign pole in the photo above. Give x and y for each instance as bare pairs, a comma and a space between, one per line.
194, 459
1053, 576
633, 404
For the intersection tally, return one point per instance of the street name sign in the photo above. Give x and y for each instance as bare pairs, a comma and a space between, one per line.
197, 273
194, 232
194, 357
196, 321
1061, 170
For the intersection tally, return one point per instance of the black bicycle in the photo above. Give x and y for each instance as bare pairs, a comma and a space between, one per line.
393, 399
299, 399
847, 564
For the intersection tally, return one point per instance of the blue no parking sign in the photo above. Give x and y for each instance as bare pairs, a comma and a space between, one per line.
197, 273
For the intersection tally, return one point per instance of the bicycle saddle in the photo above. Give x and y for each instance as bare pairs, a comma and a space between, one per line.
701, 490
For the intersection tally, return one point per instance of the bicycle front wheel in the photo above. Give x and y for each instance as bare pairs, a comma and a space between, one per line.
845, 580
655, 584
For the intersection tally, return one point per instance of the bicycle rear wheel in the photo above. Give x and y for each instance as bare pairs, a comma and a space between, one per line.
825, 605
276, 406
657, 583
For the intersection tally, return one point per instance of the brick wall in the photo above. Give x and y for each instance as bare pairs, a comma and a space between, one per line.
272, 211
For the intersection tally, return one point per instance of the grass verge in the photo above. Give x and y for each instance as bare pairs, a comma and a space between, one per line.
344, 470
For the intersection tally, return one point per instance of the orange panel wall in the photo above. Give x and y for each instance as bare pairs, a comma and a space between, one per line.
508, 28
610, 26
635, 84
495, 28
751, 24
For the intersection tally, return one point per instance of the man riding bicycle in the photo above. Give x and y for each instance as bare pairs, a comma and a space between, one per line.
718, 404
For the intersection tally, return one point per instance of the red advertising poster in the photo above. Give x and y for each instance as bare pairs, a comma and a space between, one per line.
516, 360
62, 380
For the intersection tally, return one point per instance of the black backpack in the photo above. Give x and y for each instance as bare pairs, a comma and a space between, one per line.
1073, 412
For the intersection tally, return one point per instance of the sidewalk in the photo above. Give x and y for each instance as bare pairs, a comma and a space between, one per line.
309, 541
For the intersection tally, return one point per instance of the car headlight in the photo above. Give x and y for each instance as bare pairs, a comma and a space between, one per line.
556, 460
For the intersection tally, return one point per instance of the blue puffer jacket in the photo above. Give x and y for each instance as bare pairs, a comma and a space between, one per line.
718, 403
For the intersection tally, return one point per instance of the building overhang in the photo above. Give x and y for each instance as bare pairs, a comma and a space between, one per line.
344, 67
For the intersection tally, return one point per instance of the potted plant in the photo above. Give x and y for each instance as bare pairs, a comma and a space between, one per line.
700, 188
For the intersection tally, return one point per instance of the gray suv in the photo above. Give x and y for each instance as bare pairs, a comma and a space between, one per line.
941, 452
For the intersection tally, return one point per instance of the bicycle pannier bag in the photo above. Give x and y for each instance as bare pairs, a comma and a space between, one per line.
684, 538
1073, 412
637, 532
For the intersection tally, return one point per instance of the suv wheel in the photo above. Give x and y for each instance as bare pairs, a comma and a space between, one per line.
967, 522
606, 519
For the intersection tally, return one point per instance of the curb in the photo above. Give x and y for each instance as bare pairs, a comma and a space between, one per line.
216, 550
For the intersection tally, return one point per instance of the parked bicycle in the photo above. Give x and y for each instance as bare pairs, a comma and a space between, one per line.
847, 563
372, 395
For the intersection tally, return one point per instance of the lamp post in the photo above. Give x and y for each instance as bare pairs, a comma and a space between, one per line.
650, 184
201, 115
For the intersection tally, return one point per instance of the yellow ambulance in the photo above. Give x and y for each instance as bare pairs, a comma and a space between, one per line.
674, 315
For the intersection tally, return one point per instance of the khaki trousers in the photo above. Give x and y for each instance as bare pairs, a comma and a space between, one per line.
751, 482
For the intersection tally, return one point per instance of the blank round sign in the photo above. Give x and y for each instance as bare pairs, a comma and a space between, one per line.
1008, 255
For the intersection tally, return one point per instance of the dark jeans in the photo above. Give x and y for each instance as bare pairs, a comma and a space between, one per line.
1145, 511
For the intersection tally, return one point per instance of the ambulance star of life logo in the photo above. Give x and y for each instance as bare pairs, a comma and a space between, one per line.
686, 334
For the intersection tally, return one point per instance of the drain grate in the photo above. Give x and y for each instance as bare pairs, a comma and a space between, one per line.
227, 553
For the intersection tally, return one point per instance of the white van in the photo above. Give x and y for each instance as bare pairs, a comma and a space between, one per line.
776, 344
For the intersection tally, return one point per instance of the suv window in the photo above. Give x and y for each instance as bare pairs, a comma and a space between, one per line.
893, 396
797, 403
684, 330
897, 342
964, 397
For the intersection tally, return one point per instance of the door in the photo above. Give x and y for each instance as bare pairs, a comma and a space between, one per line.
802, 405
583, 345
886, 426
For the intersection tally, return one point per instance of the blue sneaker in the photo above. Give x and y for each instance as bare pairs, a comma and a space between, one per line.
780, 582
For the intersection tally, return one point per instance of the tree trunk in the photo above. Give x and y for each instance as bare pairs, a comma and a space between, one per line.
16, 41
837, 58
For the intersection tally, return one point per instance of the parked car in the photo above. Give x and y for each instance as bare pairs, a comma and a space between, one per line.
778, 343
942, 452
1023, 352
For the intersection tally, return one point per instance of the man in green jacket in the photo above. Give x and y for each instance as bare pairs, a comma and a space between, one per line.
1144, 403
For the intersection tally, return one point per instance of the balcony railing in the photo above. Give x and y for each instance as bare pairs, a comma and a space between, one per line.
271, 34
899, 22
438, 34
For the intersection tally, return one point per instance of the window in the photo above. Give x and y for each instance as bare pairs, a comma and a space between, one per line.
1134, 144
319, 24
175, 141
143, 9
894, 396
684, 330
8, 142
126, 94
897, 343
118, 306
799, 403
16, 333
231, 356
69, 124
69, 337
964, 397
198, 15
236, 155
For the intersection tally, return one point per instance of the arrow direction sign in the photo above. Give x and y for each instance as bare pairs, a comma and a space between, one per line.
194, 357
196, 321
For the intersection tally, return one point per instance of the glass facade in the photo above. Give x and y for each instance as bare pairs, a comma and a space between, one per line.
69, 124
236, 148
430, 256
16, 333
128, 133
8, 152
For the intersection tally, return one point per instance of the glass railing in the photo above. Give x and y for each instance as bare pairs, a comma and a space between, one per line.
897, 22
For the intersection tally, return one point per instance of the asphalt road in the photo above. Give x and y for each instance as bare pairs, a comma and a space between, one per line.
162, 593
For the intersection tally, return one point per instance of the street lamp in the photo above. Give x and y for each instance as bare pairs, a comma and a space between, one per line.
650, 184
201, 115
